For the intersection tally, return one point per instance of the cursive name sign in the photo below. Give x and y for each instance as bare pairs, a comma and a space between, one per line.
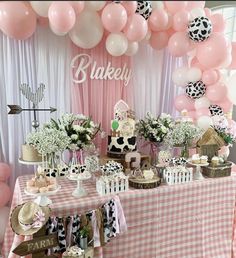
82, 62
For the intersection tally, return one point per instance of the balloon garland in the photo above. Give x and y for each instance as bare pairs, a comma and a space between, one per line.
183, 27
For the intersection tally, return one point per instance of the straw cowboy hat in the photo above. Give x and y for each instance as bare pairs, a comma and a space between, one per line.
28, 218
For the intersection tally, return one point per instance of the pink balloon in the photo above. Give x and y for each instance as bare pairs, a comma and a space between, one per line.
158, 20
195, 4
130, 6
233, 53
207, 12
5, 172
61, 16
78, 6
183, 102
17, 20
178, 44
192, 114
194, 63
218, 22
159, 40
170, 32
114, 17
225, 104
181, 21
210, 76
43, 21
202, 112
5, 194
216, 92
175, 6
136, 28
212, 52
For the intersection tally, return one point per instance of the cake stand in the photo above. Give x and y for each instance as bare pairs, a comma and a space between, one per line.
34, 163
79, 190
198, 174
42, 198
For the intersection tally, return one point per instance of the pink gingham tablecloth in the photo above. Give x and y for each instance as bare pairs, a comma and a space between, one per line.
191, 220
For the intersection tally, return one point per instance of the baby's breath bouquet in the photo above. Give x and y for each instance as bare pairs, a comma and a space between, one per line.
48, 140
79, 128
154, 129
183, 134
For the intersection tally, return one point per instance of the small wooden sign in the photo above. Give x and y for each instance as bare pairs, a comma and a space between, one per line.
38, 245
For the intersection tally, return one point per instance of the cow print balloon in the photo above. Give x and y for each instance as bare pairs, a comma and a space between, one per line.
216, 110
144, 8
199, 29
195, 90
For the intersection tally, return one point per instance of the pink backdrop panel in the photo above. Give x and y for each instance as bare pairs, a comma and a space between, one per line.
97, 97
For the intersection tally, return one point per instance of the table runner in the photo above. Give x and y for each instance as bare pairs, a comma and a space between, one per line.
191, 220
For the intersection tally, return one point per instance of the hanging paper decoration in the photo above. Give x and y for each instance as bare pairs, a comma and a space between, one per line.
195, 90
144, 8
199, 29
216, 110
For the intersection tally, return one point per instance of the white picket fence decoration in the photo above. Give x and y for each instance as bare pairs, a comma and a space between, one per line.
177, 175
113, 186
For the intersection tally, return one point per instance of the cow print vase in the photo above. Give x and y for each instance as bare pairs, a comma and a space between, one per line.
195, 90
199, 29
144, 8
216, 110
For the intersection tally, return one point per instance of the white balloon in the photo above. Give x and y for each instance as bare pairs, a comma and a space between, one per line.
204, 122
88, 30
56, 32
95, 5
41, 7
194, 74
4, 216
197, 12
202, 102
132, 48
116, 44
179, 76
157, 5
231, 85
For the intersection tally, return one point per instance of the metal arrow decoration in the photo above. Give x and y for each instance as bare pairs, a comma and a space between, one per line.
35, 98
16, 109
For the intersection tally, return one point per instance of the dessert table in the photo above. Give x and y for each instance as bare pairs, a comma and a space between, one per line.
191, 220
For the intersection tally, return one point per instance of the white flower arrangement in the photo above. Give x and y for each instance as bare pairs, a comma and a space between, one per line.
80, 129
183, 133
154, 129
48, 140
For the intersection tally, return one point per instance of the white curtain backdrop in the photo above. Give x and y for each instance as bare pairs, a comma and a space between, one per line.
152, 78
44, 58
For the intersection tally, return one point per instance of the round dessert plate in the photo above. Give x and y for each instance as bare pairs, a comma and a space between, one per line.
198, 164
42, 198
79, 190
25, 162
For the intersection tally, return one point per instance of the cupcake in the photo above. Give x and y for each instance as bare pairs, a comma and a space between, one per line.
204, 159
196, 159
32, 189
215, 161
